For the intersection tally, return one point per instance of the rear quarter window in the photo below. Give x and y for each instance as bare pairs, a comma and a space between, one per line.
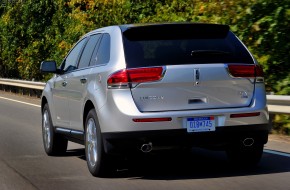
101, 54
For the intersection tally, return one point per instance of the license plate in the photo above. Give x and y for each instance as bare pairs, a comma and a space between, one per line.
200, 124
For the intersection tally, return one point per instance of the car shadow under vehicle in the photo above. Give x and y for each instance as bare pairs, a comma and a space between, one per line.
80, 152
194, 164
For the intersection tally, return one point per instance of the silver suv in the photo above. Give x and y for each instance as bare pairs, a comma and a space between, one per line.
147, 87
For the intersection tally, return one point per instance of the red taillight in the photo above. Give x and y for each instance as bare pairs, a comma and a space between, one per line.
247, 71
242, 70
245, 115
145, 74
259, 71
118, 77
124, 77
152, 119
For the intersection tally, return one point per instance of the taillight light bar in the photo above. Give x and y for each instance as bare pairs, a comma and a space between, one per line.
247, 71
129, 77
259, 71
245, 115
152, 119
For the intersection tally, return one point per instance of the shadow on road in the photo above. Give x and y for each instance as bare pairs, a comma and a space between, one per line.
197, 164
80, 152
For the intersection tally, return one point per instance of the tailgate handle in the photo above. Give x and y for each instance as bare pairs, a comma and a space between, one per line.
197, 101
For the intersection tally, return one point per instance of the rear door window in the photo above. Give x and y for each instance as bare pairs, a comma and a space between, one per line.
88, 51
71, 60
175, 47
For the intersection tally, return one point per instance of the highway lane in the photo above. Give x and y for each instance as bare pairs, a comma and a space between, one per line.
24, 165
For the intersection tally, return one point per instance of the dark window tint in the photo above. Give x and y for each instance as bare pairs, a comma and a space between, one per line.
72, 58
145, 49
102, 54
88, 51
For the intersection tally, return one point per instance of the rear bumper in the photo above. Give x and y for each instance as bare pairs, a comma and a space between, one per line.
120, 110
123, 142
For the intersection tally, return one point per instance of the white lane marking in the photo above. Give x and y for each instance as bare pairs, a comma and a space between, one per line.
277, 153
35, 105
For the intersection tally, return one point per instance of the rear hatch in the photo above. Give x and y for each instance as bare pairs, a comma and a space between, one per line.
187, 67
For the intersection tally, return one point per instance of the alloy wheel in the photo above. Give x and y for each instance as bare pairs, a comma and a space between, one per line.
46, 129
91, 142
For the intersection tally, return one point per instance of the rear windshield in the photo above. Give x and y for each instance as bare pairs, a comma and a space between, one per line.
146, 48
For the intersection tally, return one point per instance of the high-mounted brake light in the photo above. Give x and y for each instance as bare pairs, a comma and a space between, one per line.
246, 71
125, 77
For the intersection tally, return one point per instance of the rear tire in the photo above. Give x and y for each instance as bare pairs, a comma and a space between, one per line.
245, 156
54, 144
97, 159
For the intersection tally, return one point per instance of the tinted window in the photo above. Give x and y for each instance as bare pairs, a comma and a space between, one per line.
147, 49
72, 58
88, 51
102, 53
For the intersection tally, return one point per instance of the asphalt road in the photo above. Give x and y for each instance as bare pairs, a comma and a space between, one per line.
24, 165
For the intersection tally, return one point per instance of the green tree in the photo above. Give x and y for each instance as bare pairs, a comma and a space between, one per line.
11, 39
265, 30
45, 29
36, 18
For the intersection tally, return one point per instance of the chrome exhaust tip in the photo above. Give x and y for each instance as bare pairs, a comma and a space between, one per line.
248, 142
146, 148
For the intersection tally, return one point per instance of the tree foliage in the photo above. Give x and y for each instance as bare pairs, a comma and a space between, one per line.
35, 30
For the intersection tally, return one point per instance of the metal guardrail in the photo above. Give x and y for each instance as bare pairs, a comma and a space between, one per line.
23, 83
277, 104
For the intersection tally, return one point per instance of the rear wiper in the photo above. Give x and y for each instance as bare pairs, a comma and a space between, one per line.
208, 52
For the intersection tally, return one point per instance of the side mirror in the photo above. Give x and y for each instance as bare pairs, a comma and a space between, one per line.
48, 67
